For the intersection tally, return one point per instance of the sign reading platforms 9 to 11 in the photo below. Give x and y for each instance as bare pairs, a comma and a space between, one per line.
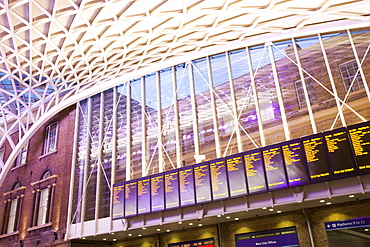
311, 159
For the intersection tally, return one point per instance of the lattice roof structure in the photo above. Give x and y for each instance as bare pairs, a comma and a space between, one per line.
54, 53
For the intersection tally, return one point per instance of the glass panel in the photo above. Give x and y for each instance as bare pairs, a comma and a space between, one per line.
168, 119
78, 183
92, 168
267, 95
313, 65
185, 114
244, 99
345, 73
43, 206
12, 215
151, 113
226, 124
121, 132
105, 176
136, 128
204, 109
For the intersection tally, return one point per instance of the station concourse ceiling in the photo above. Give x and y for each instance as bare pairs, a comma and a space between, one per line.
54, 53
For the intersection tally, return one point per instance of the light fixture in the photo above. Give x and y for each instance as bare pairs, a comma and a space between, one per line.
158, 230
278, 212
322, 200
264, 208
228, 217
104, 239
114, 239
83, 238
366, 229
236, 218
112, 233
139, 235
168, 230
219, 215
190, 224
351, 196
129, 234
328, 203
180, 222
200, 225
271, 209
144, 228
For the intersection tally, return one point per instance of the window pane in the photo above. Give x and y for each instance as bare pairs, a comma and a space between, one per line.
12, 215
43, 207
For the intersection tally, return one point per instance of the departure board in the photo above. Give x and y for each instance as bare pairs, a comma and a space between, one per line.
236, 175
274, 167
187, 192
219, 179
340, 153
157, 192
317, 164
295, 163
143, 195
131, 198
172, 193
254, 169
118, 200
360, 139
202, 179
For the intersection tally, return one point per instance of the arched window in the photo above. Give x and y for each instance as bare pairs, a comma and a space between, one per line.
50, 143
43, 203
12, 209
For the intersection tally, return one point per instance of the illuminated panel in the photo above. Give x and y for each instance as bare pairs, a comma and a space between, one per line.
317, 164
219, 179
360, 139
187, 192
295, 163
236, 175
143, 195
157, 192
172, 192
118, 200
202, 180
254, 169
340, 153
131, 198
274, 167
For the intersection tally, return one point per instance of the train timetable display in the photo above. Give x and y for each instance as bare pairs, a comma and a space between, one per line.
236, 175
219, 179
340, 153
118, 200
143, 195
254, 169
317, 164
172, 196
157, 192
274, 167
295, 163
130, 198
186, 179
360, 139
202, 180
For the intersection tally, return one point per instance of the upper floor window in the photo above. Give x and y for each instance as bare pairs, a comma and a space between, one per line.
50, 144
2, 152
351, 76
300, 92
22, 156
43, 203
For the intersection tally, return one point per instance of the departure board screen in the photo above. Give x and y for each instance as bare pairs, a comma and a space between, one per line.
236, 175
274, 167
157, 192
172, 192
131, 198
340, 153
202, 178
143, 195
317, 164
187, 192
295, 163
360, 139
254, 169
219, 179
118, 200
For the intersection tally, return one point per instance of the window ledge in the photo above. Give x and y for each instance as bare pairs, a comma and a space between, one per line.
16, 167
39, 227
44, 155
9, 234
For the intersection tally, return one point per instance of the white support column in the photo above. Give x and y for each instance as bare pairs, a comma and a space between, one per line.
234, 105
73, 171
177, 120
304, 86
99, 165
255, 98
214, 111
359, 64
159, 125
144, 144
128, 133
337, 100
194, 111
278, 93
114, 155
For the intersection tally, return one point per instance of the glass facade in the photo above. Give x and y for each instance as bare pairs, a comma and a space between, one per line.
216, 106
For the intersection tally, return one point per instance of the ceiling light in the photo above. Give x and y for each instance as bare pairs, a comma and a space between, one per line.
200, 225
278, 212
322, 200
180, 222
366, 229
114, 239
129, 234
190, 224
168, 230
112, 233
144, 228
264, 208
351, 196
328, 203
236, 218
158, 230
83, 238
219, 215
228, 217
271, 209
139, 235
104, 239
